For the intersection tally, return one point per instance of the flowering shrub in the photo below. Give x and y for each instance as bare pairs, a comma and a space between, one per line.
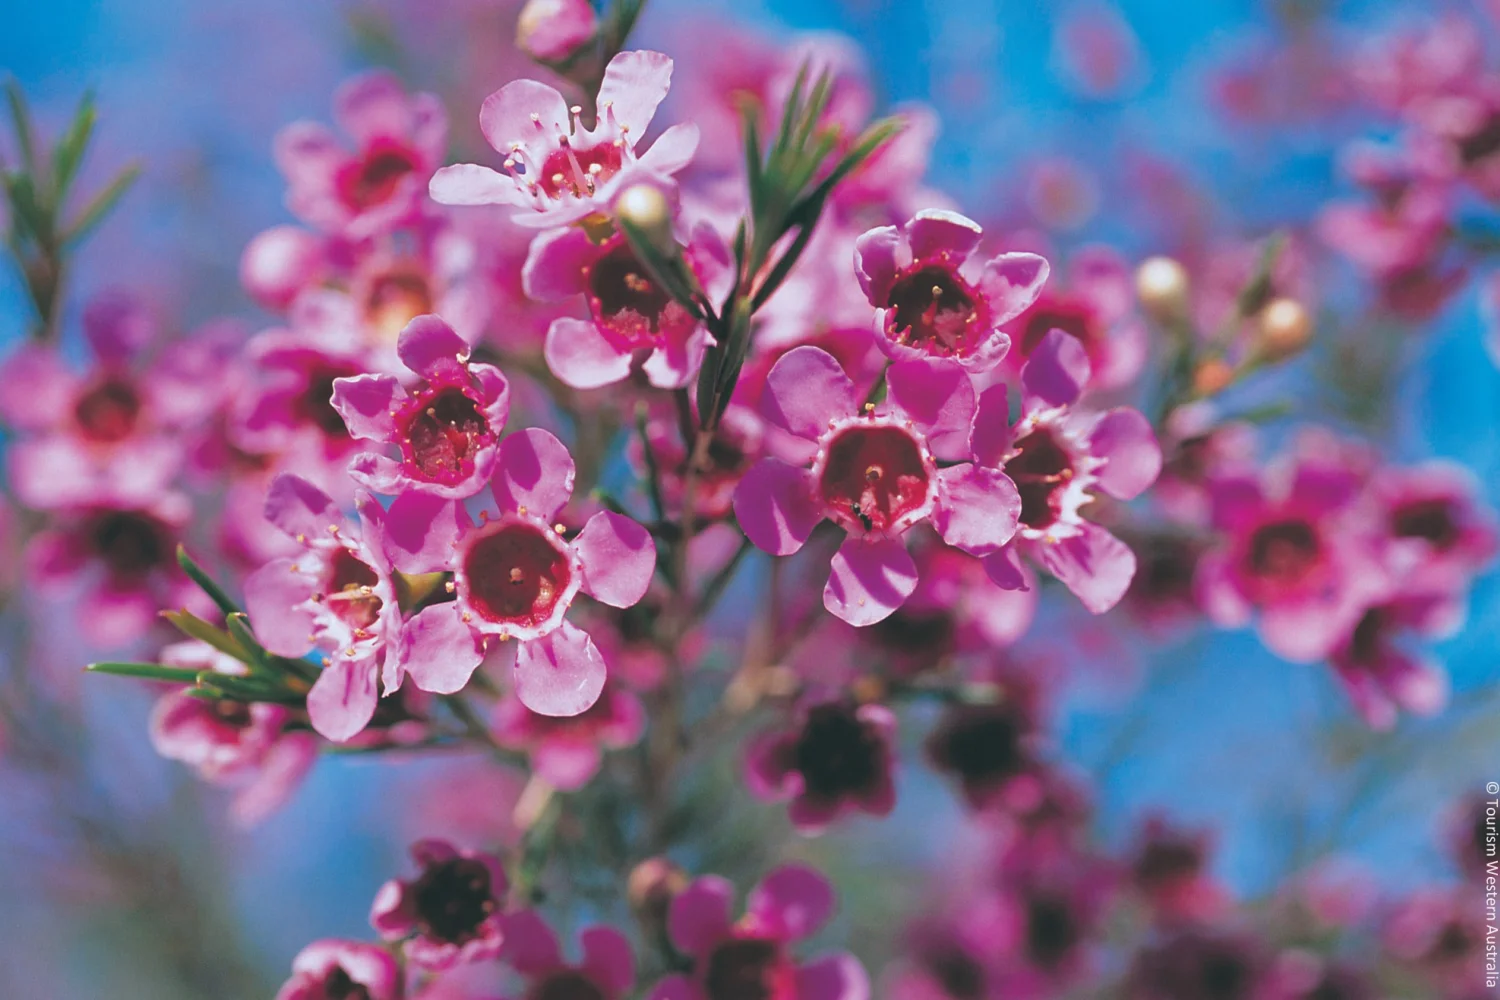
704, 478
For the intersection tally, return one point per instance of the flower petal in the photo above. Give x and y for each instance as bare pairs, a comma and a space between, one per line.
472, 184
939, 398
834, 977
1004, 570
431, 348
868, 579
343, 698
775, 506
1124, 439
1011, 282
1095, 565
672, 150
608, 958
806, 389
699, 916
439, 650
634, 84
365, 402
554, 264
582, 357
421, 531
533, 470
618, 558
990, 436
531, 947
936, 231
566, 764
875, 263
792, 902
1056, 372
560, 674
275, 597
527, 112
298, 507
977, 508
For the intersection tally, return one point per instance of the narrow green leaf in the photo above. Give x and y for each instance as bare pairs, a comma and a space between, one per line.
148, 671
27, 209
239, 629
205, 582
248, 688
20, 118
789, 111
102, 203
71, 149
194, 627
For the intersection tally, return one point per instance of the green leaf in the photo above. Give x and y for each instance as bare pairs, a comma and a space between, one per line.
27, 210
148, 671
239, 629
20, 119
71, 148
248, 688
205, 582
102, 203
194, 627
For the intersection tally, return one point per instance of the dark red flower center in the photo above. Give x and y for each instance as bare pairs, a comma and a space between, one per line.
837, 754
1041, 470
1052, 930
373, 178
452, 899
395, 299
445, 427
1431, 520
981, 744
232, 714
1482, 143
873, 477
1070, 316
930, 634
567, 985
627, 303
516, 575
579, 172
108, 411
1167, 859
1168, 564
957, 972
1283, 553
936, 310
339, 985
749, 969
349, 590
131, 544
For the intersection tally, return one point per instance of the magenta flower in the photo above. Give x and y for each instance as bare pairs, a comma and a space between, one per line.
516, 575
875, 474
1293, 548
835, 758
342, 970
555, 167
450, 914
631, 319
934, 299
606, 973
399, 140
447, 428
734, 447
335, 596
992, 751
752, 956
1169, 868
1097, 308
552, 30
278, 263
567, 752
118, 562
1383, 676
246, 747
1196, 965
1439, 532
1057, 455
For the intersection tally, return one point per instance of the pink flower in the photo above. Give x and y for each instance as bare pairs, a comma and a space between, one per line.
1170, 869
106, 437
606, 973
1381, 676
450, 914
555, 167
734, 447
1057, 455
753, 954
1294, 548
631, 319
835, 758
244, 746
992, 751
447, 428
278, 263
935, 299
552, 30
399, 141
1097, 308
875, 474
567, 752
1439, 933
118, 561
1440, 534
342, 970
336, 596
1194, 965
516, 575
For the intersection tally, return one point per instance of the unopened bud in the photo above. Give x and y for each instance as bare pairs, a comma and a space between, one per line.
651, 887
553, 30
279, 263
1212, 377
1285, 328
1161, 284
646, 208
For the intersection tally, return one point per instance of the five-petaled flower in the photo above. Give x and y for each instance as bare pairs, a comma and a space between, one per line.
450, 913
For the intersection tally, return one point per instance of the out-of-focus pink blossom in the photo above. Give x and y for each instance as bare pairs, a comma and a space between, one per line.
451, 913
566, 752
606, 972
332, 969
552, 30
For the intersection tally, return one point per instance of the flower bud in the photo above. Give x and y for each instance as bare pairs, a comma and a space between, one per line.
1161, 284
1212, 377
553, 30
651, 887
646, 207
1285, 328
